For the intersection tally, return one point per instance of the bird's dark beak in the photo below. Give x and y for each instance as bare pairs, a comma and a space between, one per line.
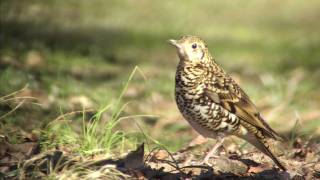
174, 43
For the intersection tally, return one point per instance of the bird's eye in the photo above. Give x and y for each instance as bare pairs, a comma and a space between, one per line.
194, 46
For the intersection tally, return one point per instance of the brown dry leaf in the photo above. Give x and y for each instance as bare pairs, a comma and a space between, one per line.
134, 159
226, 165
258, 169
161, 154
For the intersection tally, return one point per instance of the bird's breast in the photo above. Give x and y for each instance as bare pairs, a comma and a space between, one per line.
202, 113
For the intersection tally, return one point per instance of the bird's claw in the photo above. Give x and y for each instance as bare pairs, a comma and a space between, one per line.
207, 158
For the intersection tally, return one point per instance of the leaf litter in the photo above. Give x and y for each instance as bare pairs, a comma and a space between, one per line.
23, 161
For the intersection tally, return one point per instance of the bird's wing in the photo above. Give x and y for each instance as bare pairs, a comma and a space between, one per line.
225, 91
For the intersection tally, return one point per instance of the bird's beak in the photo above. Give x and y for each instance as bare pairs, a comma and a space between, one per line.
174, 43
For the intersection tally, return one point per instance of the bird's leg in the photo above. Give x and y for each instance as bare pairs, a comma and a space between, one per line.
213, 151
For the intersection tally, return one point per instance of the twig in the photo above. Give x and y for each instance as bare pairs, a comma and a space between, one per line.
15, 92
68, 114
12, 110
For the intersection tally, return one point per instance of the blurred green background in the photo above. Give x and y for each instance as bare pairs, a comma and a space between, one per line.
77, 53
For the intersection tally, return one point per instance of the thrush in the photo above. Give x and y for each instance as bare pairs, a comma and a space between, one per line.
213, 103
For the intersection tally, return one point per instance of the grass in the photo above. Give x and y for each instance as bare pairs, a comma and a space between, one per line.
96, 136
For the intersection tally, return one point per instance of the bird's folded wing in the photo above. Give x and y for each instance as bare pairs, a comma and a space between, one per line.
231, 97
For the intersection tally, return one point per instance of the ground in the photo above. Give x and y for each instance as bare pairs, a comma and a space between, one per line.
93, 81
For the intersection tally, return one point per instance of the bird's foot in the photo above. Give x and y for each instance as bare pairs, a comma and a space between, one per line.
213, 153
207, 158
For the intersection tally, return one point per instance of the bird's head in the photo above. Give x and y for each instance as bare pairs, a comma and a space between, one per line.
191, 48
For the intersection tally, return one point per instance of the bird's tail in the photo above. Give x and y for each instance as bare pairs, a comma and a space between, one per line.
263, 146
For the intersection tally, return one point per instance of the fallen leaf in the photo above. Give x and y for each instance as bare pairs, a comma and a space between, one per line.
161, 154
227, 165
134, 159
257, 169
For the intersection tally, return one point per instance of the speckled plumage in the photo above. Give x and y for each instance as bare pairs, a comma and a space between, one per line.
212, 102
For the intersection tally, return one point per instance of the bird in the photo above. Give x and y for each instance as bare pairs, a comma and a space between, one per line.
213, 103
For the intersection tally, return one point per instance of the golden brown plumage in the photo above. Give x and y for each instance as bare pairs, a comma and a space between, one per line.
212, 102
